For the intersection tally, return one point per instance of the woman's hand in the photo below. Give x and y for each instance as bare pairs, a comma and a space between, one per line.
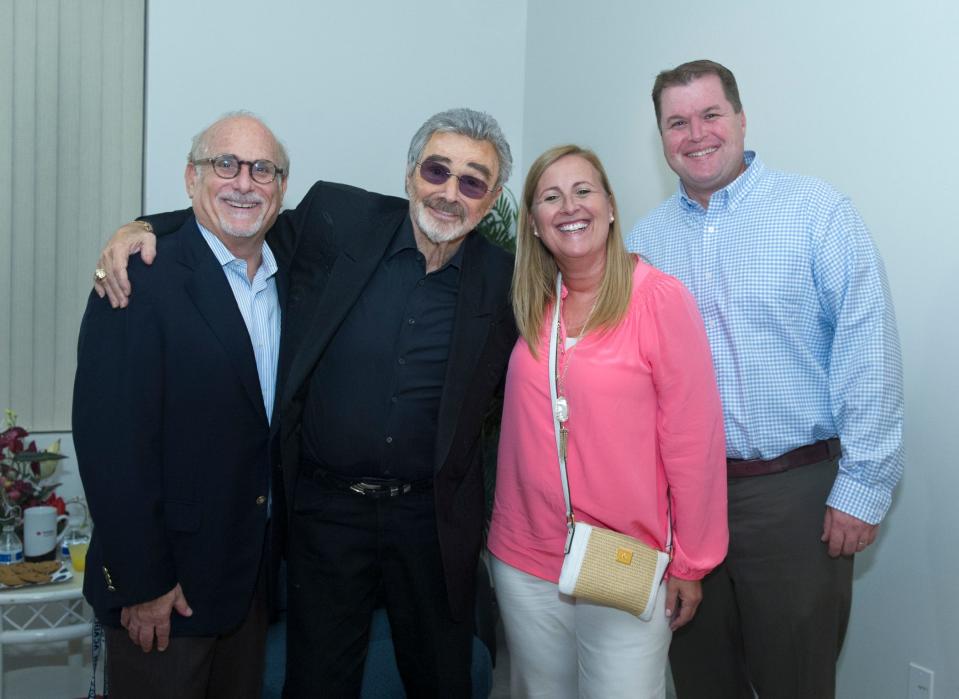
682, 600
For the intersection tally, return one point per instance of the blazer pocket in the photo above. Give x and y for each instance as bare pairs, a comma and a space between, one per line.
182, 516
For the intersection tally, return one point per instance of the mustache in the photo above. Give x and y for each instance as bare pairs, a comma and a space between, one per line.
447, 207
240, 198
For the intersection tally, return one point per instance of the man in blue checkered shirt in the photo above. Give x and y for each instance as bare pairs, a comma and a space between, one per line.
796, 305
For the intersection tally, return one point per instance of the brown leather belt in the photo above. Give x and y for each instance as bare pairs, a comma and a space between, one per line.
803, 456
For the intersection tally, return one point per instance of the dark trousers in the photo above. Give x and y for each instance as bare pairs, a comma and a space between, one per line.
193, 667
774, 614
347, 552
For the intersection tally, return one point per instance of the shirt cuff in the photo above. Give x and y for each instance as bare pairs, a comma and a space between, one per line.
862, 502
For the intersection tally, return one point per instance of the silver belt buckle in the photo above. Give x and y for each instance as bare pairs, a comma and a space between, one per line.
363, 488
392, 491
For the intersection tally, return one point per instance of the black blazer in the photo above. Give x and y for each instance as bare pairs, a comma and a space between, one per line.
173, 441
335, 240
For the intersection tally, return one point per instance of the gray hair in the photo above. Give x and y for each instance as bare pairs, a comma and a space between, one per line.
200, 146
479, 126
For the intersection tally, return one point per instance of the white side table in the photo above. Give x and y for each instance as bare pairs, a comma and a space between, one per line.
43, 615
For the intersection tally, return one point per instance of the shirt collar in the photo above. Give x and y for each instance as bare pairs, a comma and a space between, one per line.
405, 240
733, 193
225, 257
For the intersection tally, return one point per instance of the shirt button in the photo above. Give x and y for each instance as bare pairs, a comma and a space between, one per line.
710, 229
411, 321
261, 499
393, 399
401, 360
420, 283
389, 440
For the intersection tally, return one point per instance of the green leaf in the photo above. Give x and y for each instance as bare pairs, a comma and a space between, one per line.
499, 225
30, 457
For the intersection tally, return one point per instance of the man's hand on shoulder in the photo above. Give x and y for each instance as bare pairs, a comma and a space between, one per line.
148, 619
845, 534
111, 273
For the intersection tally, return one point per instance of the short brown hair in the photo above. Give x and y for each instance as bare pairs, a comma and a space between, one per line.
687, 72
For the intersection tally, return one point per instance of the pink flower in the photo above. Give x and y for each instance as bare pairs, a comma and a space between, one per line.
12, 439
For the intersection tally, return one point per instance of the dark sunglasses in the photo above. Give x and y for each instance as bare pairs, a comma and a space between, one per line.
437, 173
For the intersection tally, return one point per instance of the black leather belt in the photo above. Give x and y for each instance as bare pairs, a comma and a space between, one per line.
803, 456
372, 487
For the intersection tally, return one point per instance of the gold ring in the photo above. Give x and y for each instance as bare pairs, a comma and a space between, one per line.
99, 275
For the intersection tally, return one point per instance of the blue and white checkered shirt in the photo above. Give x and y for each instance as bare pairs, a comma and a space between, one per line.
259, 305
801, 325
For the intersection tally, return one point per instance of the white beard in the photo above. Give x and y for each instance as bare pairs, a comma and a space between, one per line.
438, 231
248, 230
245, 232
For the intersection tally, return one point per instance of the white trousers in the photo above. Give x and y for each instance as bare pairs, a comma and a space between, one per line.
560, 647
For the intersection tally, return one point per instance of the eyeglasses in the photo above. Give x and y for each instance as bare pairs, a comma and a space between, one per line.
437, 173
228, 167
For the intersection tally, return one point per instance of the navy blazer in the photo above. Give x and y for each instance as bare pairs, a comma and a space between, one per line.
173, 441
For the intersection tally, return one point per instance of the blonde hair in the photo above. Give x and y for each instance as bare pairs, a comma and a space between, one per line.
534, 273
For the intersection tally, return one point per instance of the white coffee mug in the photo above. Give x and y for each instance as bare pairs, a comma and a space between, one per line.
40, 530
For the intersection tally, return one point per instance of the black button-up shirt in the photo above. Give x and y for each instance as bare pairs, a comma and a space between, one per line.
375, 393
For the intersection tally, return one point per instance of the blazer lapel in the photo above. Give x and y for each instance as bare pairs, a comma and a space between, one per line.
470, 329
210, 292
354, 265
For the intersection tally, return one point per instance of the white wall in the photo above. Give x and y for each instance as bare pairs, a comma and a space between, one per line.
343, 84
861, 94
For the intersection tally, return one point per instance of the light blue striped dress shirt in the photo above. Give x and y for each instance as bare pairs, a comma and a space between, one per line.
259, 305
797, 308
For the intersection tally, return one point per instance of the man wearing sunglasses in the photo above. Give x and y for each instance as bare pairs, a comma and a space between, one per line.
397, 331
178, 555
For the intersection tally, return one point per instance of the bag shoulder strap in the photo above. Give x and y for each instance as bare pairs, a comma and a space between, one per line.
558, 429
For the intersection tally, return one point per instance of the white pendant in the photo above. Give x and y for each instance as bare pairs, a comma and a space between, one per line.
562, 409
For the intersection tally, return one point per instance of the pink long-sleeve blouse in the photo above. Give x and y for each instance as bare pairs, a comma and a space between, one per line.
644, 419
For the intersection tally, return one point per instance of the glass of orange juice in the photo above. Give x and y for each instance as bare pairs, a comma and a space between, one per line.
78, 555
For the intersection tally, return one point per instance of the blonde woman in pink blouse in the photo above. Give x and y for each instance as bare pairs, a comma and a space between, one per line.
645, 440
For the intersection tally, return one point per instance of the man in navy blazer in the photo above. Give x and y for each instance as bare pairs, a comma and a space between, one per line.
171, 421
